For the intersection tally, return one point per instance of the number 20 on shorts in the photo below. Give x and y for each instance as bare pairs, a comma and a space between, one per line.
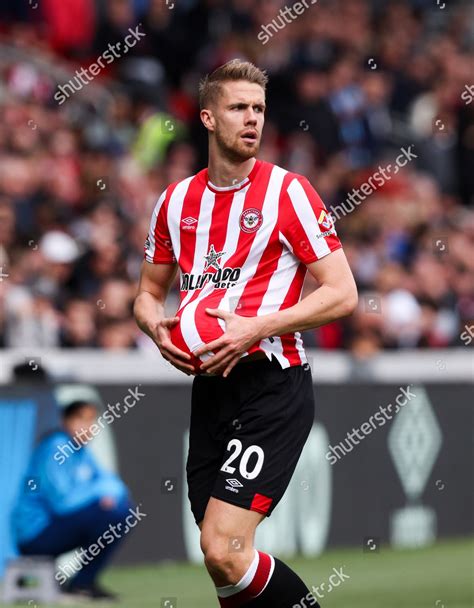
235, 446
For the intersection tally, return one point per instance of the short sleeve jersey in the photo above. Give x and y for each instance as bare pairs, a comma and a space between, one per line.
243, 248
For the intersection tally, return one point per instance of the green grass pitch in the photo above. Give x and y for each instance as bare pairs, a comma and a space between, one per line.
441, 576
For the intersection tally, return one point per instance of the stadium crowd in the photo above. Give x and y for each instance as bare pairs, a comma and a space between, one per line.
352, 85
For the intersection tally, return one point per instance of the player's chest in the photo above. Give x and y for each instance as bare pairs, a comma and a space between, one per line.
189, 227
231, 237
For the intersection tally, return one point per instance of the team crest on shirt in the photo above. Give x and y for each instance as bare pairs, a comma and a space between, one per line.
250, 220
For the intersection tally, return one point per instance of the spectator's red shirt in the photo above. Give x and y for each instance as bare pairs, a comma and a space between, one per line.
71, 24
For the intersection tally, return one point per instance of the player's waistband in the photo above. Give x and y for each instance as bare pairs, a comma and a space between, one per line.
258, 358
252, 357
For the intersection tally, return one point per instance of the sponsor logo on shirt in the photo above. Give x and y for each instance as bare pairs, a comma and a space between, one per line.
325, 221
223, 278
321, 235
213, 258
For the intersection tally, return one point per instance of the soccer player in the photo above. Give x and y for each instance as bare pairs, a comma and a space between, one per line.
243, 232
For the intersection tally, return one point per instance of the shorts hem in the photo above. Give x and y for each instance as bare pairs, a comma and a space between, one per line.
236, 504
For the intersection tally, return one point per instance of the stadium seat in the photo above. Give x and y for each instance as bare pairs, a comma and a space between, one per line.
30, 578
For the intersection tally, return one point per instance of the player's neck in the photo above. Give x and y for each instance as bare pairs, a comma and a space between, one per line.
222, 172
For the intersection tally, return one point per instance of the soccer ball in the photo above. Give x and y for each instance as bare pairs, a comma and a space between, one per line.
208, 331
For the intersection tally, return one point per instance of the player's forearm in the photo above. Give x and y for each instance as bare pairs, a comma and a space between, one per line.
148, 311
322, 306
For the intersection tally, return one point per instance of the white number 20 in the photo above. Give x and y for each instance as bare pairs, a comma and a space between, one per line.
236, 445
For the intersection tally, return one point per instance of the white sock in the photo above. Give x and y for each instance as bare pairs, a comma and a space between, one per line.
244, 582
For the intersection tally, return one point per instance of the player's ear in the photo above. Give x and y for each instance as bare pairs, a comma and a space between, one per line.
207, 119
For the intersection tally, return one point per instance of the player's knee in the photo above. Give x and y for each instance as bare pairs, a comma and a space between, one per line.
214, 551
205, 540
218, 560
220, 557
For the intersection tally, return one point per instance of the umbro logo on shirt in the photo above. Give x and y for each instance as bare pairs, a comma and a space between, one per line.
189, 223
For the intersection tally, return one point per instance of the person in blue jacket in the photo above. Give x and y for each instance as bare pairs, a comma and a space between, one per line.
68, 502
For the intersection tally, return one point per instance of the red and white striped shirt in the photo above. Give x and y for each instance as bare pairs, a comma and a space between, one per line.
242, 248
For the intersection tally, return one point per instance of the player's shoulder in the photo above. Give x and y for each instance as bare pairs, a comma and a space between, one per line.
290, 178
200, 175
179, 184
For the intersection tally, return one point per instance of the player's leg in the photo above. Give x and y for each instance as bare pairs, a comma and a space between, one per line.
244, 576
206, 442
275, 414
227, 538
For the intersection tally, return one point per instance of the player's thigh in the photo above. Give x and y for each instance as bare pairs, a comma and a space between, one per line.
209, 429
262, 452
230, 527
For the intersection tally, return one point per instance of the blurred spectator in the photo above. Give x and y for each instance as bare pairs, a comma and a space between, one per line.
78, 328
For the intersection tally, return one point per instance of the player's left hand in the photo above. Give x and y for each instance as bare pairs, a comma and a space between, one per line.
240, 334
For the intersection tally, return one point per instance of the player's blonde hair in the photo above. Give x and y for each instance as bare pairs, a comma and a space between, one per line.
210, 85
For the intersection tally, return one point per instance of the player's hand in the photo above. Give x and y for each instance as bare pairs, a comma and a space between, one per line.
178, 358
240, 334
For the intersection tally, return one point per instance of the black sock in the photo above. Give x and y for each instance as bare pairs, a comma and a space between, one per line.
284, 590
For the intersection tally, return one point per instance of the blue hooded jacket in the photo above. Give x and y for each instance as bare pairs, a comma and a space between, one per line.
56, 485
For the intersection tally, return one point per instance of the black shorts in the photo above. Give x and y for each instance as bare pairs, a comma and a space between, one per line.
247, 433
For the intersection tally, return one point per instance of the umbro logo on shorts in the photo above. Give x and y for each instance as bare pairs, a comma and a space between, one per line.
233, 485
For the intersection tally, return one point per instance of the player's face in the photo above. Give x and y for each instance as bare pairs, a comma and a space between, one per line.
238, 118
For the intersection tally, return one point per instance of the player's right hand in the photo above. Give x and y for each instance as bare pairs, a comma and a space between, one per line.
178, 358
